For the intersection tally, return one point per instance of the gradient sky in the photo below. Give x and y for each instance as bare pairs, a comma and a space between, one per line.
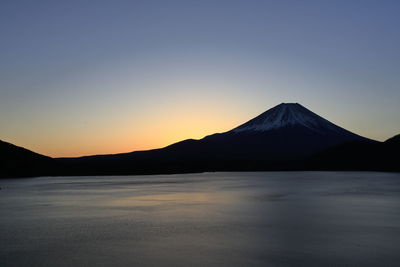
95, 77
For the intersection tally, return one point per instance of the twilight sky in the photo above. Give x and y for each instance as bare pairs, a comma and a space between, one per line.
95, 77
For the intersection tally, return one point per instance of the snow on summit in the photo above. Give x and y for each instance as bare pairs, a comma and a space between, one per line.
289, 114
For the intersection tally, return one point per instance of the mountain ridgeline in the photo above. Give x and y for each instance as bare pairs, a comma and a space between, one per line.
17, 161
286, 137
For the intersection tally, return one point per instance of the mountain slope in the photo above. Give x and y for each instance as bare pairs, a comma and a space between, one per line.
17, 161
359, 155
287, 130
290, 114
393, 141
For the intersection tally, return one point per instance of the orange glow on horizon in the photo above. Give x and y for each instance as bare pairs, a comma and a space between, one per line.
156, 130
107, 129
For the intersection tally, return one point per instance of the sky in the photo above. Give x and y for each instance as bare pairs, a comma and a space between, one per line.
97, 77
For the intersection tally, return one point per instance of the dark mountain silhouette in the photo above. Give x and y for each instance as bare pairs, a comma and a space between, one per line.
372, 156
16, 161
281, 138
394, 141
286, 137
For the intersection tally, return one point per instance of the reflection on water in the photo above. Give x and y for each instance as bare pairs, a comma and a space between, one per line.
210, 219
173, 199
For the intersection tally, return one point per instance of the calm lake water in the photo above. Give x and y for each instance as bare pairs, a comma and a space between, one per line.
210, 219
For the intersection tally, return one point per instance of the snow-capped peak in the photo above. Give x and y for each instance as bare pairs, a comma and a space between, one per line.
288, 114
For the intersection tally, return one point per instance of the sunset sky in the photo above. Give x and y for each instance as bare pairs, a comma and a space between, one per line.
97, 77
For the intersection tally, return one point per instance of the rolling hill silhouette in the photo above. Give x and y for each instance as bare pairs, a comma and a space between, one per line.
17, 161
371, 156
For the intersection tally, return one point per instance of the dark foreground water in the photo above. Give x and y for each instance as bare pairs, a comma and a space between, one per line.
210, 219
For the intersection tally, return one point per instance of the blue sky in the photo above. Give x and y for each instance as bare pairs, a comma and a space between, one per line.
89, 77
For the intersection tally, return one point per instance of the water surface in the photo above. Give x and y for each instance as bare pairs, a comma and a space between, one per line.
209, 219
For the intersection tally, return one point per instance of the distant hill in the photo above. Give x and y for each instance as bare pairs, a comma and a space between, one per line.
394, 141
17, 161
373, 156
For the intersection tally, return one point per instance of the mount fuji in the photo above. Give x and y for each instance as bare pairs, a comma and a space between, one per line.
291, 114
286, 131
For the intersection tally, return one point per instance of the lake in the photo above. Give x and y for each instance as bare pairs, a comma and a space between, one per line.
207, 219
